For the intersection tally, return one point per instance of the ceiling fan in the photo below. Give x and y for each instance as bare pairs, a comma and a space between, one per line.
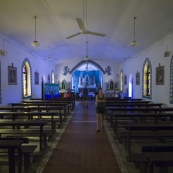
83, 30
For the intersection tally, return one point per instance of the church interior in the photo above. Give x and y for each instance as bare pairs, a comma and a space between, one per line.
51, 50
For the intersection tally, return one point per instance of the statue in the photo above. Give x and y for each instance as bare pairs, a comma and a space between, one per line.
111, 85
66, 70
108, 70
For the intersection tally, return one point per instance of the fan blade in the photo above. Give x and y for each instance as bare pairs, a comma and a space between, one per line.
96, 33
73, 35
80, 23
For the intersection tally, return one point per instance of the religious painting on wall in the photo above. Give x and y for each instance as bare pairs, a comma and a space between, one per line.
160, 75
137, 78
12, 75
36, 78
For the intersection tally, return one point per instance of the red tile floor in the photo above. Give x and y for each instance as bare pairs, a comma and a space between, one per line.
82, 150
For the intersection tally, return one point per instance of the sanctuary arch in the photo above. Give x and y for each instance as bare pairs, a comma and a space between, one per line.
92, 79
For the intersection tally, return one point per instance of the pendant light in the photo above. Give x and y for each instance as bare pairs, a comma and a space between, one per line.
3, 51
86, 58
35, 43
134, 43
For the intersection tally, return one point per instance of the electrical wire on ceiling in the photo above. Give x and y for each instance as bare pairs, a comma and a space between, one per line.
85, 22
17, 45
116, 24
54, 19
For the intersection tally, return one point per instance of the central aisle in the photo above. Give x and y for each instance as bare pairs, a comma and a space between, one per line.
82, 150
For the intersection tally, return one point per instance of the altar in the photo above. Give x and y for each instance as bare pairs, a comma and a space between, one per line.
91, 88
89, 81
112, 93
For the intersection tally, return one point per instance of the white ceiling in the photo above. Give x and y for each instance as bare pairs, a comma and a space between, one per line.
56, 20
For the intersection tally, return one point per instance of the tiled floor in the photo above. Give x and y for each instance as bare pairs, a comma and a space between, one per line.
82, 150
77, 148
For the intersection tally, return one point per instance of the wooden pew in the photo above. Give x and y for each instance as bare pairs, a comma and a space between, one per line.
13, 116
139, 159
26, 133
60, 107
145, 135
150, 158
126, 109
132, 104
142, 116
11, 146
124, 101
144, 127
33, 108
66, 103
161, 147
111, 110
25, 149
39, 123
72, 100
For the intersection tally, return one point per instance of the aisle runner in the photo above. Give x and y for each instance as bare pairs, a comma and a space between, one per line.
53, 143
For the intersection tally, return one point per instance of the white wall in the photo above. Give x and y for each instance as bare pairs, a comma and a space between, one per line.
160, 93
73, 63
16, 55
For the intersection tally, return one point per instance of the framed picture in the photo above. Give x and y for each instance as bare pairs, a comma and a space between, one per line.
12, 75
125, 79
160, 75
137, 78
36, 78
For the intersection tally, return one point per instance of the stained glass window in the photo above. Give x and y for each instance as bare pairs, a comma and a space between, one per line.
24, 80
147, 79
171, 81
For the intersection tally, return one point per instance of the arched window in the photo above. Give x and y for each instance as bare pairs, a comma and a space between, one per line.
26, 79
0, 85
171, 81
121, 80
53, 77
147, 80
